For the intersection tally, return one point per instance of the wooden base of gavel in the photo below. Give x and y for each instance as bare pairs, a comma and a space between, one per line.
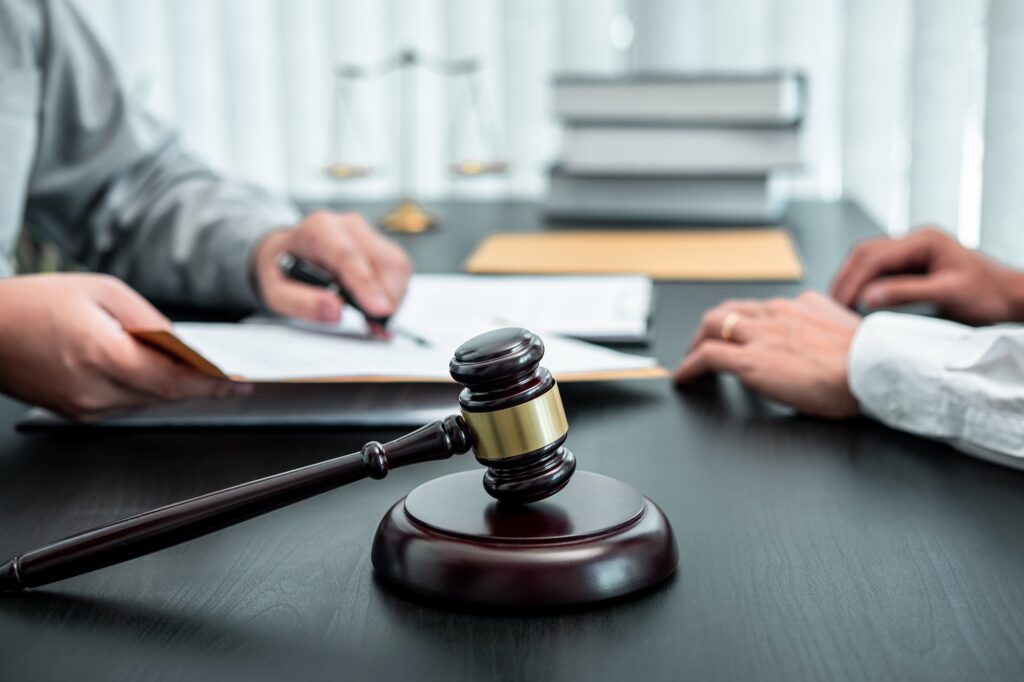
509, 543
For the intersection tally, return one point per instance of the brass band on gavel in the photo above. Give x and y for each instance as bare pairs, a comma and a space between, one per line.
519, 429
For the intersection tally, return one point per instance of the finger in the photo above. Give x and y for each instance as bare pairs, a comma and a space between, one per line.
721, 323
391, 265
145, 371
711, 356
874, 258
746, 306
711, 323
295, 299
334, 247
394, 269
892, 291
853, 267
98, 398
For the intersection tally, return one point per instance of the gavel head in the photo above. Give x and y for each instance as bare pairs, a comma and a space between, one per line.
514, 415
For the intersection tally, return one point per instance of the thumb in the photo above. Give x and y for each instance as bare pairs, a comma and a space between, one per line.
126, 306
893, 291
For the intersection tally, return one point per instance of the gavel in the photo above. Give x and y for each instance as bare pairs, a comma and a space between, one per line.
511, 416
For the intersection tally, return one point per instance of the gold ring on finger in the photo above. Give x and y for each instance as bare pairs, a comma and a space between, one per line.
729, 324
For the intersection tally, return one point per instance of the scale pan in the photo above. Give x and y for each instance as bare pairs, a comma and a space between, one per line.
348, 171
471, 167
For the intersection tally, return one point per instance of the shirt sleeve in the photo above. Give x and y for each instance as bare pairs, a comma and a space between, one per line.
943, 380
118, 192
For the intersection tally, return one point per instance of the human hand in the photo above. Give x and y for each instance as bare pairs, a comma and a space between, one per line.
794, 351
63, 346
930, 266
373, 268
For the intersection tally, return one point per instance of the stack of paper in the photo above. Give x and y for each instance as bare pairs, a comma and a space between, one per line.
612, 309
275, 351
445, 311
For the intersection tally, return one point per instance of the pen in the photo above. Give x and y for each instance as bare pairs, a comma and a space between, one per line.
303, 271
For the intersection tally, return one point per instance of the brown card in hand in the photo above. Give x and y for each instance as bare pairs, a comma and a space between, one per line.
710, 254
166, 342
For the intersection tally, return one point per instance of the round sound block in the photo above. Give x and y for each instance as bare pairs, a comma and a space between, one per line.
597, 539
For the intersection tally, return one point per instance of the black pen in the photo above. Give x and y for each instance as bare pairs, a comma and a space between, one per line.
302, 270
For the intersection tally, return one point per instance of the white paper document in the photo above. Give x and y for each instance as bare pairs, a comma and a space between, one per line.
609, 308
265, 350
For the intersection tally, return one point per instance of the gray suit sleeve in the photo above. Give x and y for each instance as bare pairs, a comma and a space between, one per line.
116, 189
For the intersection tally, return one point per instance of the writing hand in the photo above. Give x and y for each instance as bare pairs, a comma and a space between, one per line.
373, 268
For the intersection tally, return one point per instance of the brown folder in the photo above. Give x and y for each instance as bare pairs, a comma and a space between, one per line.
765, 254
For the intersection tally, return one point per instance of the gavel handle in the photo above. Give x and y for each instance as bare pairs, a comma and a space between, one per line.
176, 523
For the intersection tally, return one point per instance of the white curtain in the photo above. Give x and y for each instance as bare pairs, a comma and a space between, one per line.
1002, 204
914, 104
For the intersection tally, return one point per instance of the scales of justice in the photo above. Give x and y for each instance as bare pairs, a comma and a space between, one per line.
351, 143
530, 532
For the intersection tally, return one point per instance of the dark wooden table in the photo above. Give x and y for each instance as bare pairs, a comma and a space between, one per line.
810, 549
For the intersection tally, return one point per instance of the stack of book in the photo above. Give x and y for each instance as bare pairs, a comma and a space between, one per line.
679, 148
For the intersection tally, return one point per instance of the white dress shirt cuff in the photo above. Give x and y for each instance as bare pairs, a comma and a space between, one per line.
896, 367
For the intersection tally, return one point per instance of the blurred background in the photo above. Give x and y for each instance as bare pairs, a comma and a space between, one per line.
913, 110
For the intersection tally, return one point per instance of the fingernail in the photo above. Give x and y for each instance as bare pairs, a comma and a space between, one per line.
875, 297
241, 389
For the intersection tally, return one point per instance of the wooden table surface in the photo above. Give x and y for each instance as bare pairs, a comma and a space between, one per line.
809, 549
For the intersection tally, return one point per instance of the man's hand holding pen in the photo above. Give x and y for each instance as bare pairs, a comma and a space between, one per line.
371, 268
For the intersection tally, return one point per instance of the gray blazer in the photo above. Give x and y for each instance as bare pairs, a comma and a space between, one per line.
106, 182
